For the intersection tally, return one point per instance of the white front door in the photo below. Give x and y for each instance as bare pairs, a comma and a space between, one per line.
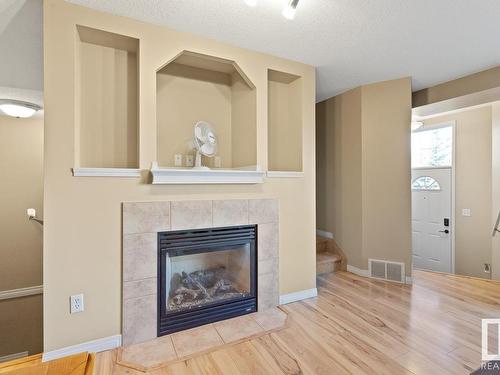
431, 211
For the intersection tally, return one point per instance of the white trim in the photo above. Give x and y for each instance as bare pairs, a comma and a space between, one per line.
10, 357
358, 271
284, 174
21, 292
206, 176
324, 233
298, 296
106, 172
94, 346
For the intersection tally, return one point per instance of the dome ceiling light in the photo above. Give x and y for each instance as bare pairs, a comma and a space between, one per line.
18, 108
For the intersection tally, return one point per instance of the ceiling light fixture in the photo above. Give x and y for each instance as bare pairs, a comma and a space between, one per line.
18, 108
251, 3
289, 10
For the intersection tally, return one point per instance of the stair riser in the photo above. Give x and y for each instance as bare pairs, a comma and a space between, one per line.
327, 267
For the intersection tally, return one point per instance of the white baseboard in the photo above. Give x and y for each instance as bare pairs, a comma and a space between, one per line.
358, 271
21, 292
94, 346
10, 357
324, 233
298, 296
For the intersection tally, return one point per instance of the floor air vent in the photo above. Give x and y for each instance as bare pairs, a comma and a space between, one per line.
392, 271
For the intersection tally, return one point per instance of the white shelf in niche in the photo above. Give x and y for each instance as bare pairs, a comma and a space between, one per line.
285, 174
106, 172
249, 175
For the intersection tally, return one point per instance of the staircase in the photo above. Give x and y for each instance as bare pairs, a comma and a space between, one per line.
329, 257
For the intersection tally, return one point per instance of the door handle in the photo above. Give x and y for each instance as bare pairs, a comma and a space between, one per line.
495, 229
445, 231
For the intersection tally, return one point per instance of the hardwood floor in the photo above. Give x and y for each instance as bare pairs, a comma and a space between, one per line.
361, 326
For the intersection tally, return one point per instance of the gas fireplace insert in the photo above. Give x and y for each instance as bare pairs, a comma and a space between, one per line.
205, 275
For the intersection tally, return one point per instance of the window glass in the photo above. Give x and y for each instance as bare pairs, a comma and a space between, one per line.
432, 148
425, 183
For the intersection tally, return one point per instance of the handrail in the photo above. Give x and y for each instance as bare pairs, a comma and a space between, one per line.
39, 221
496, 229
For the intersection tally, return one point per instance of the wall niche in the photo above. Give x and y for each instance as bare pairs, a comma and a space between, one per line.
196, 87
284, 122
106, 101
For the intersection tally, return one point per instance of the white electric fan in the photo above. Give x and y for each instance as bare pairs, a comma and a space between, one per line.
205, 142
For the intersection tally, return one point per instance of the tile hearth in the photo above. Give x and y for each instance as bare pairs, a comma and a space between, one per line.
180, 346
142, 221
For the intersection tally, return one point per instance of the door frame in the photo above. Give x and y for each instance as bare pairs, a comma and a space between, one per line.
453, 125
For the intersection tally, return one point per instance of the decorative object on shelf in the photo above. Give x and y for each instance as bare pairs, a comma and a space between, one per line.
205, 143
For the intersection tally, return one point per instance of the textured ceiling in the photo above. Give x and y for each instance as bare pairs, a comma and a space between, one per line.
21, 56
351, 42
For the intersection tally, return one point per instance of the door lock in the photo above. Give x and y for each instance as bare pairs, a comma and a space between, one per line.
444, 231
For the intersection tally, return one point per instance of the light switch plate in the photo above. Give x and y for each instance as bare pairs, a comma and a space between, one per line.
189, 161
178, 160
466, 212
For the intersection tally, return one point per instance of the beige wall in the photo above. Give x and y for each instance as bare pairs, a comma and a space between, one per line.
495, 190
21, 164
107, 88
21, 325
82, 239
285, 125
472, 188
363, 171
338, 173
470, 84
386, 153
182, 102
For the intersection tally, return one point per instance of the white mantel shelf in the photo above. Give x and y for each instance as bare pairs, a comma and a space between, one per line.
189, 176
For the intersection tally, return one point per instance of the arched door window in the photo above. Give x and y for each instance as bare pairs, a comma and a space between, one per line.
425, 183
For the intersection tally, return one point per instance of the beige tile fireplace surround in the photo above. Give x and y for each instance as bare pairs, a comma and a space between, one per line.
143, 220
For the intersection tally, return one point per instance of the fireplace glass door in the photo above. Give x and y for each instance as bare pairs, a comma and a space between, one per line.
204, 278
206, 275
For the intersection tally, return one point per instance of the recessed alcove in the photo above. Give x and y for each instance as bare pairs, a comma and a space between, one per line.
106, 103
195, 87
284, 124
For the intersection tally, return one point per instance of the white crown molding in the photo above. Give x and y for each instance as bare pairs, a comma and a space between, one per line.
323, 233
284, 174
21, 292
106, 172
94, 346
206, 176
298, 296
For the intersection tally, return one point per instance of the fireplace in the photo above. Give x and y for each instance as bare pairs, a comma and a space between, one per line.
205, 275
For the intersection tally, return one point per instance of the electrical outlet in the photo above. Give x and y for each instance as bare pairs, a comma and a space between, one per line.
189, 161
217, 162
487, 268
178, 160
76, 304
